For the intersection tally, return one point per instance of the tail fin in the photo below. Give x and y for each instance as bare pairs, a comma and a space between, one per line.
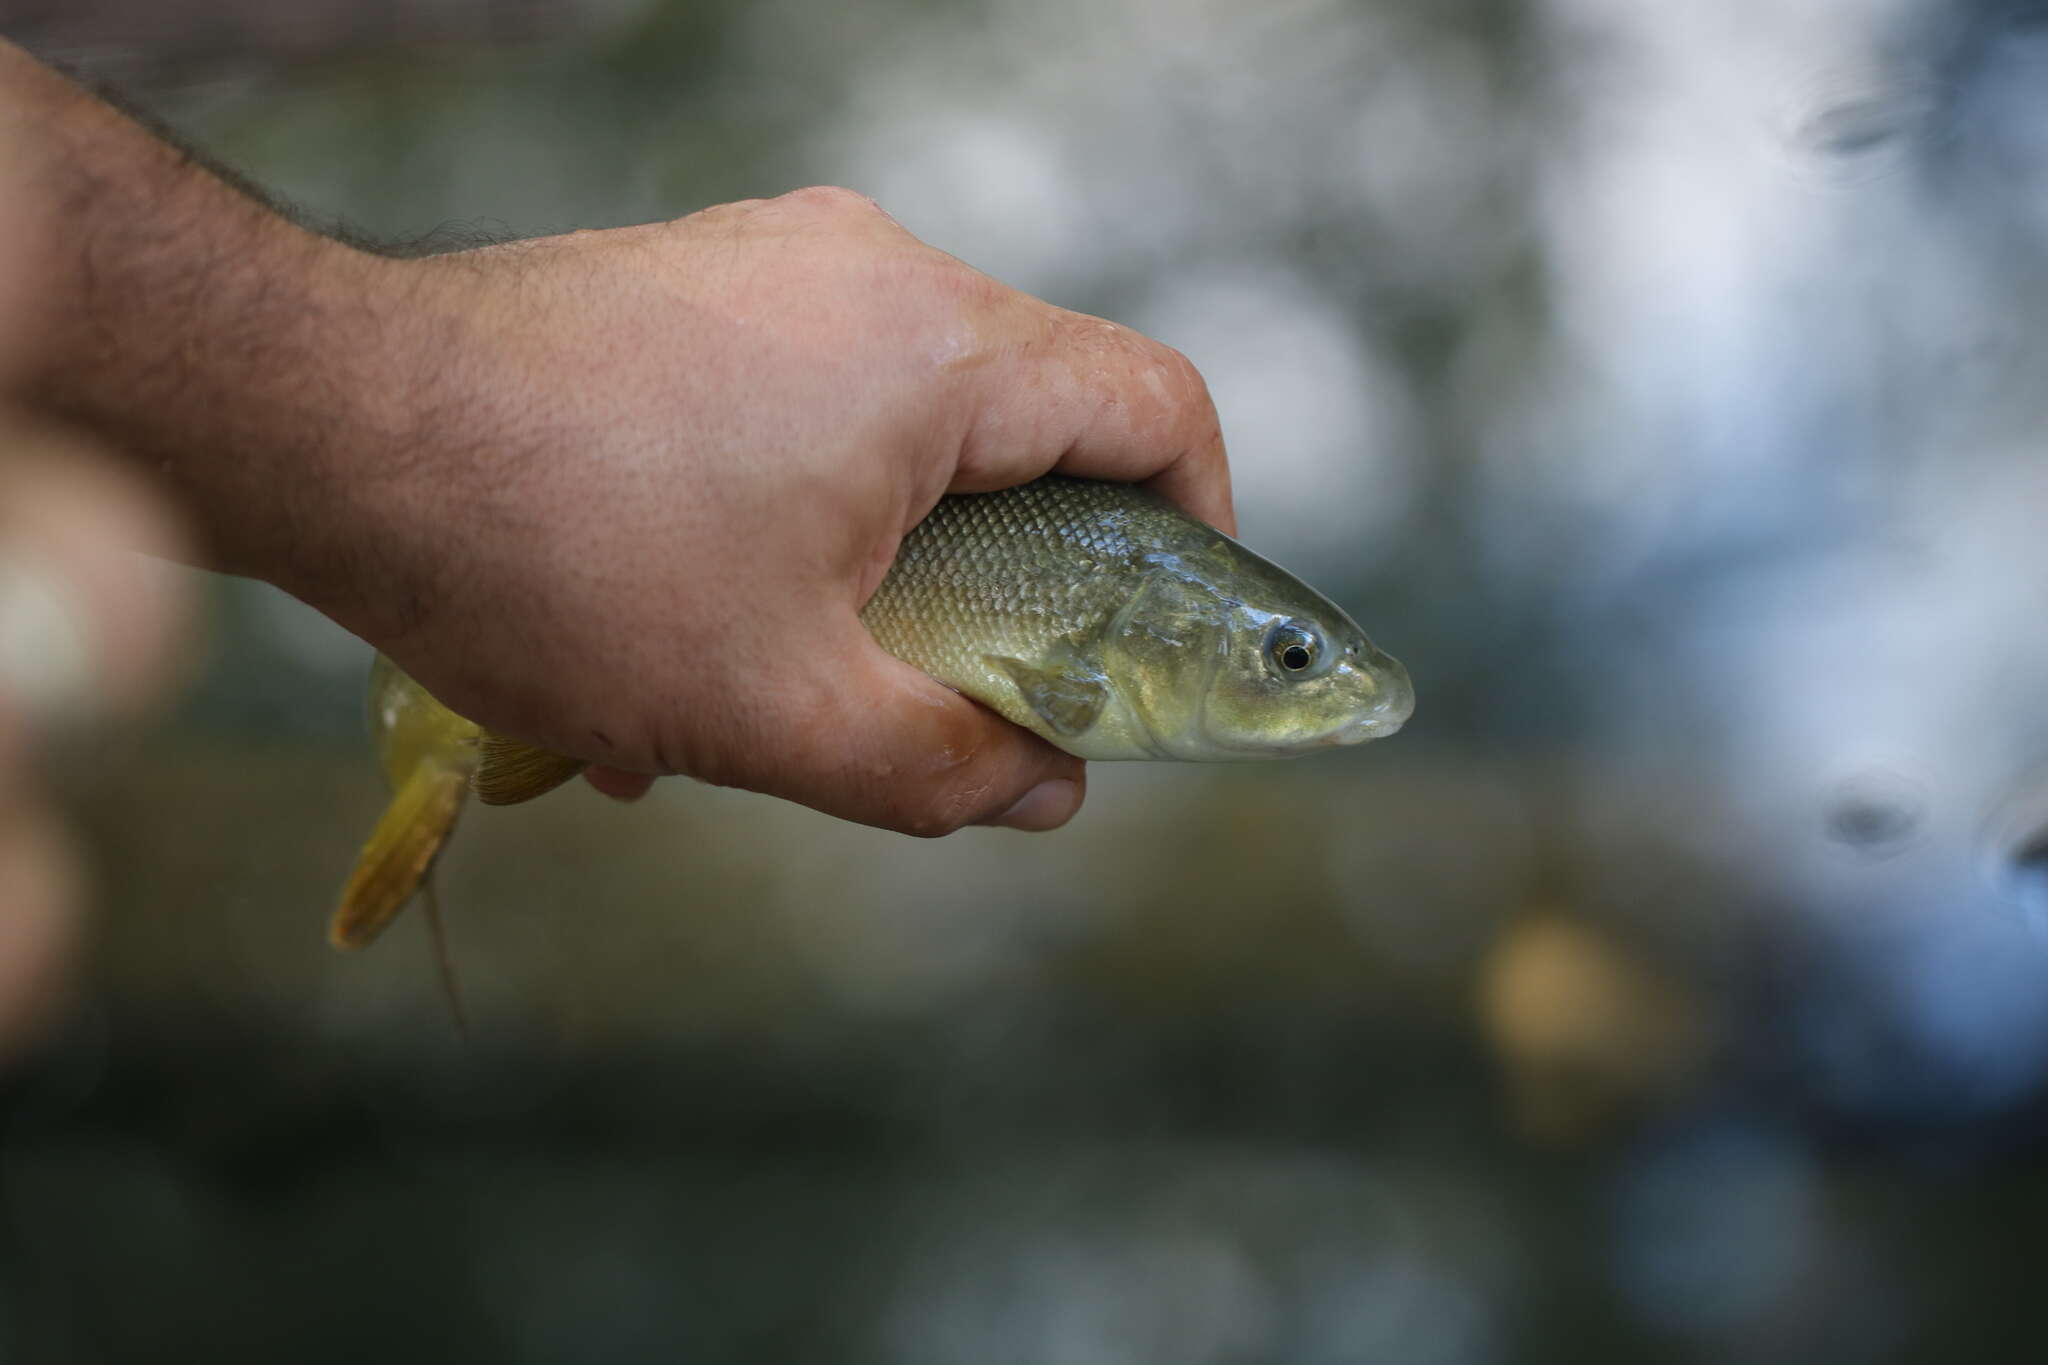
401, 850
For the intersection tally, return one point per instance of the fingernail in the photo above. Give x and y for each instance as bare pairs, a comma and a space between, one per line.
1048, 805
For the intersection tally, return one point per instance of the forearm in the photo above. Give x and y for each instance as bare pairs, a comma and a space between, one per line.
241, 359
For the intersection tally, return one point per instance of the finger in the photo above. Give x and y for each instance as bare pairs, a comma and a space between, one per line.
619, 784
878, 742
87, 624
849, 208
1092, 399
39, 897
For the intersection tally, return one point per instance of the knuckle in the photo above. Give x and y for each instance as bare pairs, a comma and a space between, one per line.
945, 811
926, 824
1184, 380
836, 198
970, 287
1187, 396
958, 788
961, 307
738, 208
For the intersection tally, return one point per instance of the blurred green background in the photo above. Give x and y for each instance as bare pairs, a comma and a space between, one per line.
1660, 383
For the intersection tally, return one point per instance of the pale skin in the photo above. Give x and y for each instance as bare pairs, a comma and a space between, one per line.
618, 493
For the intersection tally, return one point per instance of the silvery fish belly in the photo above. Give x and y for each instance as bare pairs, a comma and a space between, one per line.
1113, 624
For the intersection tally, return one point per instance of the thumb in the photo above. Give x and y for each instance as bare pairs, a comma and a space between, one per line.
878, 742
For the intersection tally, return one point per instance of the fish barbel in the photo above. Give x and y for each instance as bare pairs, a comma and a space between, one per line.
1099, 616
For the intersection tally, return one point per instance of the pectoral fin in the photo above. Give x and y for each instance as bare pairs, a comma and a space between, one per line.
401, 850
511, 772
1068, 695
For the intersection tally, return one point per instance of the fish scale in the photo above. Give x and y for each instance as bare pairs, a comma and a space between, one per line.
1016, 574
1049, 603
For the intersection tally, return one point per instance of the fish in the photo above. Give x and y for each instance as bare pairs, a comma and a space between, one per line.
429, 756
1114, 625
1099, 616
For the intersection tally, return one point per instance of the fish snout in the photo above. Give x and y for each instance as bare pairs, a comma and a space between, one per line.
1390, 709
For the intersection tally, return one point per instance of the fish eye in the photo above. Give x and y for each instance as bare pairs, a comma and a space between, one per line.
1294, 647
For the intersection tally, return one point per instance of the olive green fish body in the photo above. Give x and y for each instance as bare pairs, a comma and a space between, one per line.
1116, 626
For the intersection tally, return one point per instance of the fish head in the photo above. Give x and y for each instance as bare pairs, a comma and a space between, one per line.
1231, 657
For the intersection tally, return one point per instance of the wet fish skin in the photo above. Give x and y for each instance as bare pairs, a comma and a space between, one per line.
1111, 623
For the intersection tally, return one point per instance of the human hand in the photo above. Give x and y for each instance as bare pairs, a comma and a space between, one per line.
649, 476
621, 493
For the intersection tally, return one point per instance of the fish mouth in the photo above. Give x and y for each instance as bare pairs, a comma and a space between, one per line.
1389, 713
1368, 727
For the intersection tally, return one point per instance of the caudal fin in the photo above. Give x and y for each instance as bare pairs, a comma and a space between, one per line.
401, 850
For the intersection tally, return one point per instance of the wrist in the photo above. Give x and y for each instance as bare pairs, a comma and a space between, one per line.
256, 370
241, 360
